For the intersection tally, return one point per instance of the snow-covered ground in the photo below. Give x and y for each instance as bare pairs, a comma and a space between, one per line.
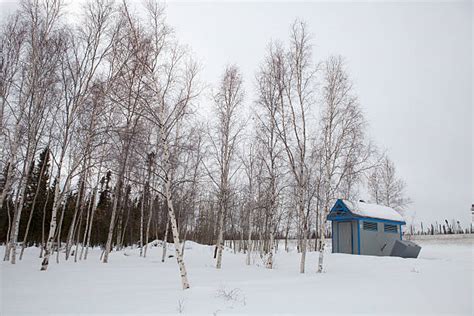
439, 282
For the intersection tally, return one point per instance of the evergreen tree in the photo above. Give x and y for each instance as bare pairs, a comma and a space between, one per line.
36, 198
102, 216
3, 208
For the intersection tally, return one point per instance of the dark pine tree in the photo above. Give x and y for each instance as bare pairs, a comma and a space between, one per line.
4, 214
102, 215
37, 199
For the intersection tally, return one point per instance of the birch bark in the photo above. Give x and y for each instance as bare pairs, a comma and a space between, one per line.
165, 237
172, 218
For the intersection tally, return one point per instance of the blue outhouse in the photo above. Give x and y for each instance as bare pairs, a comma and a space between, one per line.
364, 228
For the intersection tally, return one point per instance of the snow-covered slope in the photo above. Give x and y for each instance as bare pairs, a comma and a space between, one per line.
440, 281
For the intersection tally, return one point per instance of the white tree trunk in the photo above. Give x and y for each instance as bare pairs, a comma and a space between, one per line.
174, 230
183, 245
150, 214
323, 242
304, 231
171, 213
53, 224
220, 239
94, 207
84, 238
78, 229
270, 253
118, 193
58, 236
141, 223
163, 256
43, 223
78, 205
249, 245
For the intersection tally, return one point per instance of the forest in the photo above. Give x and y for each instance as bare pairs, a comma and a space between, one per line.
106, 142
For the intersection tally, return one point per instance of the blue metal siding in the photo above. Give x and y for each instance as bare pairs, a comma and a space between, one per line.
358, 237
332, 237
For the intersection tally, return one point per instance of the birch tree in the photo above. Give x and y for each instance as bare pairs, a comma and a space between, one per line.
171, 82
128, 94
36, 94
252, 169
149, 184
12, 42
228, 101
294, 80
270, 144
344, 149
386, 188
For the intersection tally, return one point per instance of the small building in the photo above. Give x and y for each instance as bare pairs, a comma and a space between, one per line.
365, 229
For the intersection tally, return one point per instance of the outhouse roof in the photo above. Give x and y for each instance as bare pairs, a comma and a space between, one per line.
364, 209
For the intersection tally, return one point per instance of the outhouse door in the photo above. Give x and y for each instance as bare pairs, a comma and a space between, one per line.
345, 237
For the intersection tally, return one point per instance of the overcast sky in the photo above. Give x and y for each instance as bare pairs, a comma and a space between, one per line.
411, 64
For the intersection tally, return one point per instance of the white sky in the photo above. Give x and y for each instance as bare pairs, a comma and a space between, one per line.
411, 64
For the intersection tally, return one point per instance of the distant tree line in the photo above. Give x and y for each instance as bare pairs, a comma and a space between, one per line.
444, 228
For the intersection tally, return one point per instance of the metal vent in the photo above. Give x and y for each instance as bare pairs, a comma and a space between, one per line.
372, 226
390, 228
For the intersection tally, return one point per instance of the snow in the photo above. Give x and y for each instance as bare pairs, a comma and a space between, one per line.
373, 210
438, 282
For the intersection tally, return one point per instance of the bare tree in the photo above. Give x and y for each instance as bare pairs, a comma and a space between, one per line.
344, 150
271, 150
128, 94
36, 94
171, 84
228, 101
251, 168
294, 79
386, 188
12, 43
150, 183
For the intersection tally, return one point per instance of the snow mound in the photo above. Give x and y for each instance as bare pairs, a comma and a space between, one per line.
187, 245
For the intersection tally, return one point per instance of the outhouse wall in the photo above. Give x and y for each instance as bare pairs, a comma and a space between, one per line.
377, 243
355, 237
